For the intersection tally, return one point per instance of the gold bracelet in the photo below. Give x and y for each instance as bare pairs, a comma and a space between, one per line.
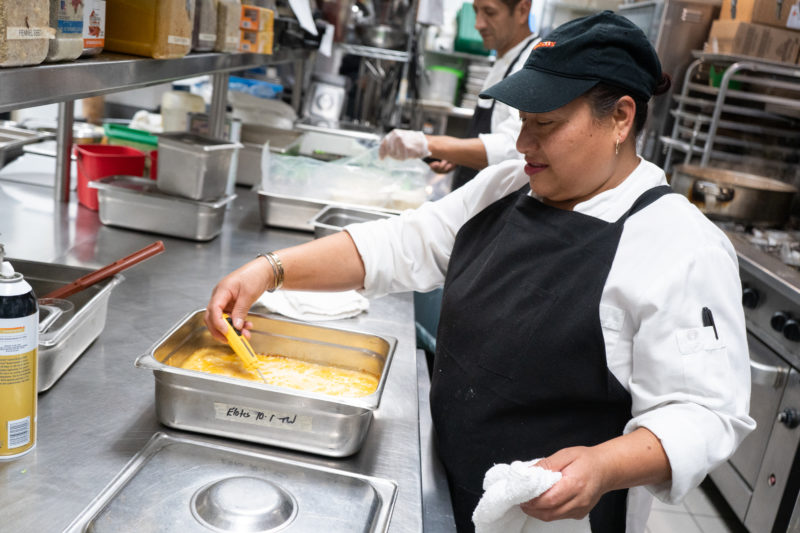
277, 270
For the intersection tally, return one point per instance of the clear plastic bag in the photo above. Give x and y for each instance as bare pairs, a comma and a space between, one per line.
360, 180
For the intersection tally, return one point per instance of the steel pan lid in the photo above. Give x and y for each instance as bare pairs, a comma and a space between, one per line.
244, 504
197, 485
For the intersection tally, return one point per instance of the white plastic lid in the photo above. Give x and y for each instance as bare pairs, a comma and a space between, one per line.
6, 270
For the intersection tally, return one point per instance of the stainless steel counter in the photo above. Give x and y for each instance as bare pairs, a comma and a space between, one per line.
101, 412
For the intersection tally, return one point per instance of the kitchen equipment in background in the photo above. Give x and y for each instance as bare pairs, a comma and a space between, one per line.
120, 134
761, 480
332, 219
254, 138
97, 161
735, 196
136, 203
84, 133
337, 13
68, 335
329, 145
440, 84
296, 188
176, 106
208, 403
13, 138
325, 100
382, 36
675, 28
745, 119
153, 164
194, 166
477, 72
107, 271
197, 485
294, 212
256, 111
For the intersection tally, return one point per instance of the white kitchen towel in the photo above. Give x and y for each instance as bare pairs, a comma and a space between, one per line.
315, 306
505, 487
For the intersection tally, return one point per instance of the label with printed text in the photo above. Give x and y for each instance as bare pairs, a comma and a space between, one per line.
181, 41
19, 33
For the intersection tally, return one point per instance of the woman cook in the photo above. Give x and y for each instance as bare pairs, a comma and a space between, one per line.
575, 285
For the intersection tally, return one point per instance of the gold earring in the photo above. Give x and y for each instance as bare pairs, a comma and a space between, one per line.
616, 148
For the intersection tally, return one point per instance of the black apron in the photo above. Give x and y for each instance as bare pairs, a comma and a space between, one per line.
481, 122
520, 370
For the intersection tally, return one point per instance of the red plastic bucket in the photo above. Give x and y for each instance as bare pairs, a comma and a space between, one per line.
153, 164
97, 161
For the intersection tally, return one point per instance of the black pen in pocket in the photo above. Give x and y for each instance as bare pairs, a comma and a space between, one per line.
708, 320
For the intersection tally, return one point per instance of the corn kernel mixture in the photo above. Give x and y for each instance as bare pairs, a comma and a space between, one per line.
284, 372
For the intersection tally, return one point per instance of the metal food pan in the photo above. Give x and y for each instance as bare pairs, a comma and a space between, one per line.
193, 166
194, 484
13, 139
257, 412
293, 212
70, 334
333, 219
136, 203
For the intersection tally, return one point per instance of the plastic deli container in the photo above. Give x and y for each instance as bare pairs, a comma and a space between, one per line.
176, 106
24, 32
97, 161
94, 27
153, 28
205, 25
440, 84
66, 18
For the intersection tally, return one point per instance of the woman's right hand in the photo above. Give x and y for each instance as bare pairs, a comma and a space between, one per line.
235, 294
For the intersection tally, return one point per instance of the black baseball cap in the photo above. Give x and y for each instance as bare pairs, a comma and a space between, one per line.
575, 57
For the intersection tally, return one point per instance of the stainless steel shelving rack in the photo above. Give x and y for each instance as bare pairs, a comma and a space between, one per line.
63, 83
749, 121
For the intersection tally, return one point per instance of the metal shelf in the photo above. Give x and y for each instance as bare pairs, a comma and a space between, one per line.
375, 53
63, 83
724, 124
463, 55
108, 73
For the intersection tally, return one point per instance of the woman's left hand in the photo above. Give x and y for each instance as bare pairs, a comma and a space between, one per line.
582, 483
636, 458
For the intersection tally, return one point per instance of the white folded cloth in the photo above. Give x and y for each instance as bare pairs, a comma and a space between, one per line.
505, 487
314, 306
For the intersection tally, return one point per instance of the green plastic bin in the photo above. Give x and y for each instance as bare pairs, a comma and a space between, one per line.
468, 40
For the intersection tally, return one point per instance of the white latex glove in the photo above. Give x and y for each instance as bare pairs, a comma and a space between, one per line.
404, 144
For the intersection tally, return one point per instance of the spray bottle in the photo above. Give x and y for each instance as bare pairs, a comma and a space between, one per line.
19, 341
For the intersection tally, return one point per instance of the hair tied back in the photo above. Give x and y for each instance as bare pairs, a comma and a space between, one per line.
664, 85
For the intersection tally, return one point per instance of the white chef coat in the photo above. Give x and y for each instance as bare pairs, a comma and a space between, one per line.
501, 143
689, 388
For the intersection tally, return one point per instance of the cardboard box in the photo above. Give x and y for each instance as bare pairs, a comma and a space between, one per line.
754, 40
257, 42
256, 18
784, 14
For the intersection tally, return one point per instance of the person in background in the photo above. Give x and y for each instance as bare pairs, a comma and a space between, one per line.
493, 129
590, 317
